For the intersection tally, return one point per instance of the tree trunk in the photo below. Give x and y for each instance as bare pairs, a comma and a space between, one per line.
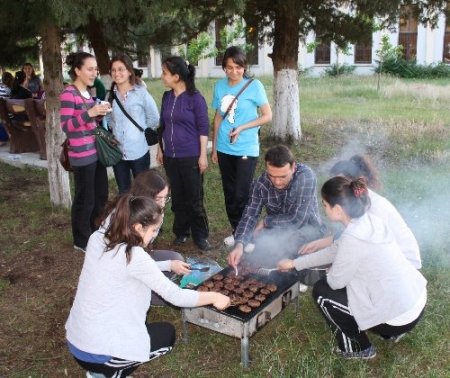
286, 109
58, 178
96, 36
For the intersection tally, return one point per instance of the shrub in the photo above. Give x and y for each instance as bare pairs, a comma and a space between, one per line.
400, 67
339, 69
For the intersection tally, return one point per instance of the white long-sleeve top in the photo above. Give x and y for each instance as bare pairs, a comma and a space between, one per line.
381, 284
403, 235
110, 307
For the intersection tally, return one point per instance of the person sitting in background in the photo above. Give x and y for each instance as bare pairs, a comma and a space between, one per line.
5, 92
6, 85
106, 330
287, 190
370, 285
19, 91
138, 72
32, 81
150, 183
360, 166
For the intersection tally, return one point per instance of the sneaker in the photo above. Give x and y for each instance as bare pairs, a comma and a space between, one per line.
180, 239
249, 248
302, 288
77, 248
203, 244
397, 338
365, 354
91, 374
229, 241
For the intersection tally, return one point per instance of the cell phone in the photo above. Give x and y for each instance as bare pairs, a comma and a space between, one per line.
231, 137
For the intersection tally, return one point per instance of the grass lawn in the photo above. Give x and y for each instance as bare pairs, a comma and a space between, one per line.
405, 129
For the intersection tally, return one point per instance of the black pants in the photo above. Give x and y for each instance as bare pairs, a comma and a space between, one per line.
237, 175
333, 305
162, 339
122, 171
91, 194
186, 185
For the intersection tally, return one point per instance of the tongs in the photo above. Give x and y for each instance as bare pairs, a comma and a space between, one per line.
265, 271
200, 269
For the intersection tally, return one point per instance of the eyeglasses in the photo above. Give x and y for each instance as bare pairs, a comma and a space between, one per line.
121, 69
235, 69
166, 199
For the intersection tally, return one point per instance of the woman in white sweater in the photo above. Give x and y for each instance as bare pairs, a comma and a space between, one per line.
360, 166
370, 284
106, 330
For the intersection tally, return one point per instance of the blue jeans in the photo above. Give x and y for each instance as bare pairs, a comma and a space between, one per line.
124, 168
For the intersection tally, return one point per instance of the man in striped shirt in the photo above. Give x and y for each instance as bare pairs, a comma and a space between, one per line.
287, 192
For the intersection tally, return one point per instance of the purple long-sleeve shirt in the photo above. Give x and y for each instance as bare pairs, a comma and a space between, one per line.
184, 119
294, 206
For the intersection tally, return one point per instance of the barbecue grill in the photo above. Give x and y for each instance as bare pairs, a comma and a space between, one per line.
233, 322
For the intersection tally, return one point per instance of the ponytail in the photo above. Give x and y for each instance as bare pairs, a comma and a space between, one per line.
351, 195
176, 65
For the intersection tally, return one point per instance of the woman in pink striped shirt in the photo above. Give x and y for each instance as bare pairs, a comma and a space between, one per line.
78, 120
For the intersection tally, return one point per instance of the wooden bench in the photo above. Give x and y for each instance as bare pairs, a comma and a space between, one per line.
18, 125
36, 113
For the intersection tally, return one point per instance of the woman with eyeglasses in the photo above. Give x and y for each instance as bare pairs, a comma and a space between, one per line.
240, 112
107, 330
152, 184
128, 96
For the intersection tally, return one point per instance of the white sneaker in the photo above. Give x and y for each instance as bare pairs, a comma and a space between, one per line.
249, 248
229, 241
302, 288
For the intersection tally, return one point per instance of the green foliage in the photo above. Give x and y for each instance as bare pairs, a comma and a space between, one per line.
409, 69
339, 69
387, 51
198, 48
234, 36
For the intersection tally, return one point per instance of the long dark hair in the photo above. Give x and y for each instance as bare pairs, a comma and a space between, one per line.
357, 166
33, 74
237, 55
129, 211
148, 183
176, 65
76, 60
351, 195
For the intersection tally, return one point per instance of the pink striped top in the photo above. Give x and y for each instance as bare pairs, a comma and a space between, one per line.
78, 126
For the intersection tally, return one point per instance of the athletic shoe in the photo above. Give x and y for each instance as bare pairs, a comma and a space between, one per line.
229, 241
365, 354
249, 248
203, 244
91, 374
180, 239
302, 288
77, 248
397, 338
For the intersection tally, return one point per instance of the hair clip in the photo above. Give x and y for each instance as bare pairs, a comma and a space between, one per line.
187, 63
358, 192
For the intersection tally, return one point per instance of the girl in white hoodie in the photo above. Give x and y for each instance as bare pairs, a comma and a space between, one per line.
370, 284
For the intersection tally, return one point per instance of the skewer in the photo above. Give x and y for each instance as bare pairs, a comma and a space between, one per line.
236, 270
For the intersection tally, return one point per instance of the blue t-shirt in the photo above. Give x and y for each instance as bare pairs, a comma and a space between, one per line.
245, 109
87, 357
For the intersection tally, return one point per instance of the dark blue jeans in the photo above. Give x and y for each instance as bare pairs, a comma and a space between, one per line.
124, 168
91, 194
237, 175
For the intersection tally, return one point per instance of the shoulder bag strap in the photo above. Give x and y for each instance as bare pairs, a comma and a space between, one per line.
125, 112
235, 98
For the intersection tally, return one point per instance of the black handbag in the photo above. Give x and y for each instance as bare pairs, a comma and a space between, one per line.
64, 156
151, 136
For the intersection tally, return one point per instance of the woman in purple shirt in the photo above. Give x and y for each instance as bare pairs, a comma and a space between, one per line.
184, 123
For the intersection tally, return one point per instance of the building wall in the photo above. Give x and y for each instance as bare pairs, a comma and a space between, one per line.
429, 50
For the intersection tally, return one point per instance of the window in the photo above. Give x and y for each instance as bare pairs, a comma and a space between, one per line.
363, 53
446, 55
407, 36
322, 53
